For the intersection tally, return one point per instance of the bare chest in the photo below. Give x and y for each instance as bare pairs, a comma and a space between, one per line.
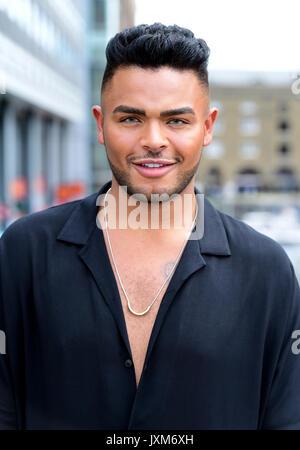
142, 280
146, 267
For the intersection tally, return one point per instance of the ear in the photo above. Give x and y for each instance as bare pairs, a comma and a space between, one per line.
98, 114
209, 123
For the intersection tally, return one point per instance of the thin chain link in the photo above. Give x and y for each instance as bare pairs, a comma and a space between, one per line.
167, 278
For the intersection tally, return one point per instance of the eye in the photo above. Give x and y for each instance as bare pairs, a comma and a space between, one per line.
130, 119
177, 122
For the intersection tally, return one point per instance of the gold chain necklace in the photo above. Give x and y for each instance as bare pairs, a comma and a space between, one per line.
117, 272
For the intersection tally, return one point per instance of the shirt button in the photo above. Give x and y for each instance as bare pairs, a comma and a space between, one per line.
128, 363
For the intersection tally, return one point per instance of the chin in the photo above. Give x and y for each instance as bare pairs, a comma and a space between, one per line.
147, 191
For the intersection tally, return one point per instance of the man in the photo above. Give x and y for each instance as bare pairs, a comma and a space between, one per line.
124, 327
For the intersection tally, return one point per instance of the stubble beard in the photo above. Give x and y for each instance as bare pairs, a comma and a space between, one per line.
183, 179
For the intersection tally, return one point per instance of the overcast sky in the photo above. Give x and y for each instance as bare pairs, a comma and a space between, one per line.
256, 35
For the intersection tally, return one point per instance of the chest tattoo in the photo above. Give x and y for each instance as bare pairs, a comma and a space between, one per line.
167, 267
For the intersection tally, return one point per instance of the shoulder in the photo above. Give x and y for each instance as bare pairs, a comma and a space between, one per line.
262, 268
49, 220
33, 231
252, 247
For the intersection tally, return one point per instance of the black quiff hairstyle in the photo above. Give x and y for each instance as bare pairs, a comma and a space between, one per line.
154, 46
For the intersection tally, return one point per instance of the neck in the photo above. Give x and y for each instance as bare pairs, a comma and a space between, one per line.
128, 213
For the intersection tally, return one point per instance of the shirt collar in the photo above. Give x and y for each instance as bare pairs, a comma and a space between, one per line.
82, 221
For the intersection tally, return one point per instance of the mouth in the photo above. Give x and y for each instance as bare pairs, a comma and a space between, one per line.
154, 168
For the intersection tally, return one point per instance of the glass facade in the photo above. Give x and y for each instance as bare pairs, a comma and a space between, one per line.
32, 19
44, 157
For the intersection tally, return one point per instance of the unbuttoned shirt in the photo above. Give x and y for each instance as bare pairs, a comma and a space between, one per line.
223, 353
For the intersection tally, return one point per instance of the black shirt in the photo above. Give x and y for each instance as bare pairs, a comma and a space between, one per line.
222, 353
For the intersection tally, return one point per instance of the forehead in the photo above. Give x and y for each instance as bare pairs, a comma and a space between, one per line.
158, 89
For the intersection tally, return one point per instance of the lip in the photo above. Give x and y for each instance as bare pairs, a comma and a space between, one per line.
152, 172
154, 161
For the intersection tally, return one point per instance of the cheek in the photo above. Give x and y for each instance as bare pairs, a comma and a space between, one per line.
189, 144
119, 143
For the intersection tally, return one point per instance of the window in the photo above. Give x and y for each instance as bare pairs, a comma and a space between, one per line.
283, 107
214, 176
286, 180
214, 150
44, 30
51, 36
248, 108
10, 9
249, 150
27, 16
99, 14
213, 182
248, 180
249, 127
284, 149
18, 12
36, 22
283, 126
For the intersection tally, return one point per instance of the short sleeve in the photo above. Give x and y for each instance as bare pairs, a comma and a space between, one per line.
283, 404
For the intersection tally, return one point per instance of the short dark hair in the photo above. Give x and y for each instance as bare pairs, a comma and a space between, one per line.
154, 46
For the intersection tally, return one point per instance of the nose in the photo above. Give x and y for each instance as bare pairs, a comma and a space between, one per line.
153, 136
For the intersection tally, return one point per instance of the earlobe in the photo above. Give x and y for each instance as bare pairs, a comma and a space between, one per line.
207, 139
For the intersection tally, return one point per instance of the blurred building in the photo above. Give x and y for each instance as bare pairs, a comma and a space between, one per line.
256, 143
44, 155
106, 18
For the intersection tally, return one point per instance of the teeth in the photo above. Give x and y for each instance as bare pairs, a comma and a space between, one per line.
152, 165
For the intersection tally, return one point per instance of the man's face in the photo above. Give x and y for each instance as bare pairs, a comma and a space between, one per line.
154, 117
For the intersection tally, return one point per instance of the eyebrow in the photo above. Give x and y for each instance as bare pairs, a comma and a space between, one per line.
178, 111
129, 110
142, 112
